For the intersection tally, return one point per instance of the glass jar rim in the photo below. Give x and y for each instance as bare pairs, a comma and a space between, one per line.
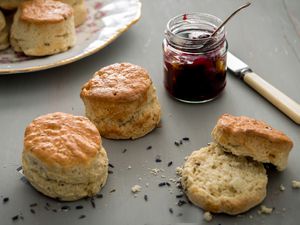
195, 20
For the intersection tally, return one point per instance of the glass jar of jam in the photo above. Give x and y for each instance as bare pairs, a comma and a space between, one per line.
194, 62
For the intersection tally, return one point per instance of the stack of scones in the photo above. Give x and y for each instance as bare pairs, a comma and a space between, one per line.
41, 27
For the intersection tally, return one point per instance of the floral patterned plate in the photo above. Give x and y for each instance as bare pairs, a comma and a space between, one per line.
107, 20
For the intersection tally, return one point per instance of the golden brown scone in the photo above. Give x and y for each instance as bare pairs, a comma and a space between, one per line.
43, 27
121, 101
220, 182
80, 10
10, 4
63, 156
249, 137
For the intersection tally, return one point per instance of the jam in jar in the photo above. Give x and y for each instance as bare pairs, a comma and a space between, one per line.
194, 62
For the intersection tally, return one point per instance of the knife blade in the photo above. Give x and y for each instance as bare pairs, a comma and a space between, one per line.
284, 103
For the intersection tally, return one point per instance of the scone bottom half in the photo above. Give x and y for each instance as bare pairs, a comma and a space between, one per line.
121, 101
220, 182
244, 136
63, 157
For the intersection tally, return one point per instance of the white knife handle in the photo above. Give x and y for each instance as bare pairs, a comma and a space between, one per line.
284, 103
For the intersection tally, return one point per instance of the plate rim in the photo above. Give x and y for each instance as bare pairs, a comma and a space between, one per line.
81, 55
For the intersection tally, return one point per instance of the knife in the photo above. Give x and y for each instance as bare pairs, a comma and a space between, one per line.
284, 103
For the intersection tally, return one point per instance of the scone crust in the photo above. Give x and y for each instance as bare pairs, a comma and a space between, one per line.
250, 137
44, 11
63, 139
120, 82
223, 183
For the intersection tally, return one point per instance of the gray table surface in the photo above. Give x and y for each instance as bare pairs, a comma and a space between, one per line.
266, 36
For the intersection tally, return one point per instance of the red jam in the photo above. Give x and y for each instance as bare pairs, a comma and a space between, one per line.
194, 74
195, 78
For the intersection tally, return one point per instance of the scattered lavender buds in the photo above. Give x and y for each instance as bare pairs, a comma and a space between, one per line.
170, 163
181, 203
6, 199
81, 217
149, 147
146, 198
111, 165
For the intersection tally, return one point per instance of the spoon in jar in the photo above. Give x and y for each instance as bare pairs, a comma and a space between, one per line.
229, 17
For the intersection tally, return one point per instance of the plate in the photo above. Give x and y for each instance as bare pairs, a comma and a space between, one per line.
107, 20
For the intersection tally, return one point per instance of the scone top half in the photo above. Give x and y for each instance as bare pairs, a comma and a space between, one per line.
64, 150
249, 137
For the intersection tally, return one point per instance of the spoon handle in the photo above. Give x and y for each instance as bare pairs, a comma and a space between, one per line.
228, 18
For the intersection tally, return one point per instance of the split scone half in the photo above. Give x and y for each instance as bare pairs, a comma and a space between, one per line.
220, 182
245, 136
63, 156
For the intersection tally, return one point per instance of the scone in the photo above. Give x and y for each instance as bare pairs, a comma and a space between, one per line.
121, 101
63, 156
249, 137
4, 32
80, 10
43, 27
10, 4
220, 182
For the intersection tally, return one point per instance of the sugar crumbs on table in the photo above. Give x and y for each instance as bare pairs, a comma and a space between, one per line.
16, 217
181, 203
179, 196
65, 208
32, 211
82, 216
111, 165
149, 147
79, 207
54, 210
186, 139
33, 205
99, 195
110, 172
146, 198
170, 163
124, 150
171, 210
176, 143
113, 190
46, 208
6, 199
93, 202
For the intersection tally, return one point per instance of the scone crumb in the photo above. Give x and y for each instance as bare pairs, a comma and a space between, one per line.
207, 216
296, 184
282, 187
154, 171
265, 210
136, 188
250, 217
179, 171
129, 167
